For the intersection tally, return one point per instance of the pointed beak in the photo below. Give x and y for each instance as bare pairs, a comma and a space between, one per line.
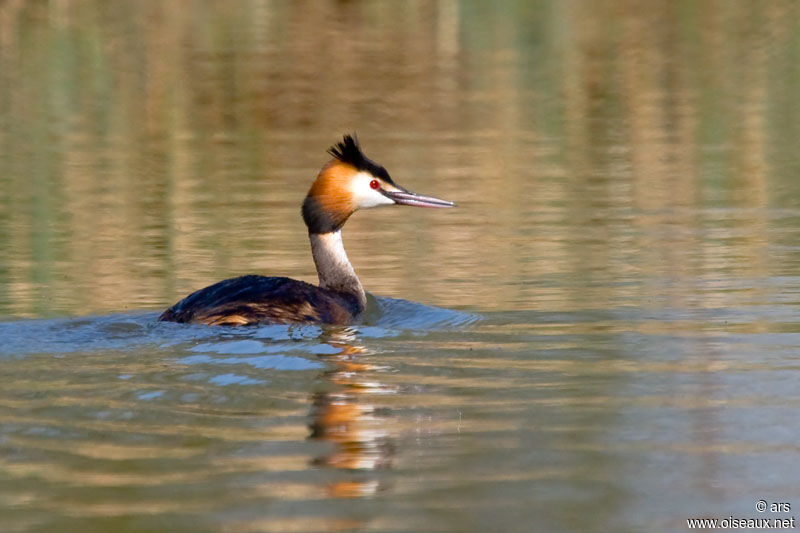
410, 198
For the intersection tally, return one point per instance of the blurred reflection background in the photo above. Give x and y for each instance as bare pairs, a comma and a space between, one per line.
599, 151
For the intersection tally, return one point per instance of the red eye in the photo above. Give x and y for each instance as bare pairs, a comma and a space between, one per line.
375, 184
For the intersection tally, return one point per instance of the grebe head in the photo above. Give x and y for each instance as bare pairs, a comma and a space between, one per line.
351, 181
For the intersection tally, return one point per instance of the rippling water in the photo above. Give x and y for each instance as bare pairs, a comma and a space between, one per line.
604, 336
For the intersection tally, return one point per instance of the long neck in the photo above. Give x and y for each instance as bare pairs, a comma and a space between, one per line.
333, 268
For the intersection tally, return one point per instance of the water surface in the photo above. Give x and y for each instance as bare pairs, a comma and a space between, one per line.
604, 336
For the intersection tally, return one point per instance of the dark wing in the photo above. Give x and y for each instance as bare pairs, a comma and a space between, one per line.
262, 300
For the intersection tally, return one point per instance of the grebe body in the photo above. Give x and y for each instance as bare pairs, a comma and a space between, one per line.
258, 299
350, 181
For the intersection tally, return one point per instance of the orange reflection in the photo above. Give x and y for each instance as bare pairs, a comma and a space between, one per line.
347, 418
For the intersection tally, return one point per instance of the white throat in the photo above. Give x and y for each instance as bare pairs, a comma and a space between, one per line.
333, 267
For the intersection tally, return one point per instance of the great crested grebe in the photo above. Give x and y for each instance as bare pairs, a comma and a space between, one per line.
348, 182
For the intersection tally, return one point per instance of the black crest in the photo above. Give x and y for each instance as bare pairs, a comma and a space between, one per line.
349, 151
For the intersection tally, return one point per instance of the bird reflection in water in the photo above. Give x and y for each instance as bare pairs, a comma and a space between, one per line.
347, 418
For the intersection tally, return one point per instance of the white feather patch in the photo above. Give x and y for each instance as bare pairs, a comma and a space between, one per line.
364, 195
